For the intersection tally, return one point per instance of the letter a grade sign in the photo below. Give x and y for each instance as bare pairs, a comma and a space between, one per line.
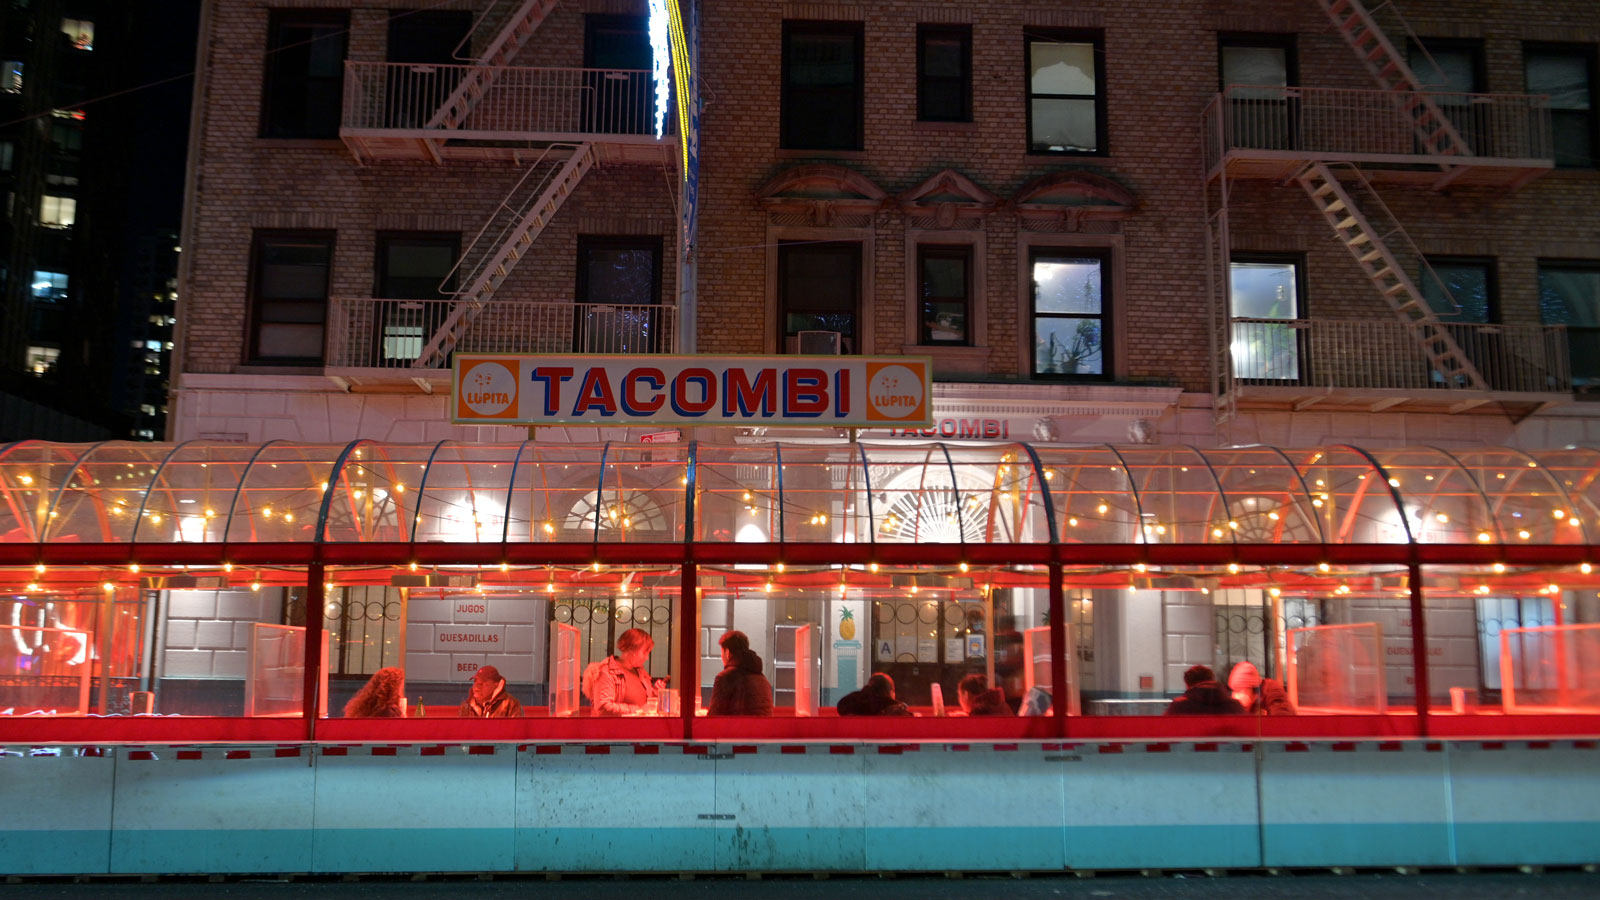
855, 391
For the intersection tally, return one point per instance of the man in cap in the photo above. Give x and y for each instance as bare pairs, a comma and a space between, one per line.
488, 698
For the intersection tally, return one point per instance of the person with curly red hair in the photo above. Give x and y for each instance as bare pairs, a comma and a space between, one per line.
380, 697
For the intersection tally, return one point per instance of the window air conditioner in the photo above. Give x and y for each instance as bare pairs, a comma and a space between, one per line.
819, 343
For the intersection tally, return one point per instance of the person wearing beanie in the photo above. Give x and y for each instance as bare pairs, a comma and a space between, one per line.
1256, 694
488, 698
1204, 696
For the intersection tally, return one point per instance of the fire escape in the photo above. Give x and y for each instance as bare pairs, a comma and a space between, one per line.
1336, 145
556, 124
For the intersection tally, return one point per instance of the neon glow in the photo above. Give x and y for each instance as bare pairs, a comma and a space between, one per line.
661, 59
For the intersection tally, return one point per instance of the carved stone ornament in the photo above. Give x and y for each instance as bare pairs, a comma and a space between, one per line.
949, 200
822, 195
1067, 201
1045, 430
1140, 431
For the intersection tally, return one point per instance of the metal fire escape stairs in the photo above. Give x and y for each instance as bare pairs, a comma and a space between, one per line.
1435, 133
514, 34
1373, 254
515, 224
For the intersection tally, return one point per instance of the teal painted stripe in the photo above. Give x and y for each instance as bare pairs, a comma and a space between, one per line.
616, 849
162, 850
1359, 844
1527, 843
741, 847
971, 848
69, 852
413, 849
1162, 846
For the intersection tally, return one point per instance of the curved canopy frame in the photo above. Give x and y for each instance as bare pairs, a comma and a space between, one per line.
963, 497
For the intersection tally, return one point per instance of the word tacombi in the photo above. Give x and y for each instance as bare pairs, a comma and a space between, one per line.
611, 390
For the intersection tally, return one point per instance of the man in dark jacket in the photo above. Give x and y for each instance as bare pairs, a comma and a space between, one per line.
1204, 697
876, 699
978, 699
740, 689
488, 698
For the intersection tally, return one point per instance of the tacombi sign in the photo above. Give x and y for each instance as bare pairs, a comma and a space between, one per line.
855, 391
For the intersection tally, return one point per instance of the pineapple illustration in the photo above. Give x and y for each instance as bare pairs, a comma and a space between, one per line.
847, 625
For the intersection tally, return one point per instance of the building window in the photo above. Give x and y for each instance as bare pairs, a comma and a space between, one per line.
1460, 289
304, 85
619, 285
946, 292
1069, 314
1066, 97
819, 289
11, 76
51, 286
66, 138
822, 86
1264, 302
944, 73
418, 268
1566, 73
289, 297
42, 359
1454, 71
57, 212
80, 32
1256, 70
1569, 294
8, 153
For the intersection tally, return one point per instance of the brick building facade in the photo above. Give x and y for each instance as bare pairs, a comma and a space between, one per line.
907, 181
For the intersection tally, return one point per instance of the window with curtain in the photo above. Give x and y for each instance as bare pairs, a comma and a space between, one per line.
1066, 99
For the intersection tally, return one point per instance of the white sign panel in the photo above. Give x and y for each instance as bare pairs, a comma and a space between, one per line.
854, 391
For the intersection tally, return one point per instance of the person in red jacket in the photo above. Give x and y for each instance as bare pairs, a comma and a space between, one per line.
488, 698
740, 689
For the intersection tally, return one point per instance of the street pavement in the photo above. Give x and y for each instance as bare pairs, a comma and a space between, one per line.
1303, 886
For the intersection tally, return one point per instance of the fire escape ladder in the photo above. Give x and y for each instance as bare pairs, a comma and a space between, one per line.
1372, 252
1434, 131
514, 34
504, 240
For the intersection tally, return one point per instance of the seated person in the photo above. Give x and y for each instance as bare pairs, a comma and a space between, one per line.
619, 685
380, 697
1257, 694
876, 699
488, 698
1204, 697
740, 689
978, 699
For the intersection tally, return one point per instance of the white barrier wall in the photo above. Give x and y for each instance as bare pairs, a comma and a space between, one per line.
849, 808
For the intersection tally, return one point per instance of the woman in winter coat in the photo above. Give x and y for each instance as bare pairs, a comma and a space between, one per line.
1256, 694
619, 685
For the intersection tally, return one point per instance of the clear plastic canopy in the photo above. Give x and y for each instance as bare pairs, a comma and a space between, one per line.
929, 493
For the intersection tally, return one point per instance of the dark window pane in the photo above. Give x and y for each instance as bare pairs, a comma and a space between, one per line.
1566, 75
944, 56
819, 289
945, 286
621, 275
822, 72
304, 85
1255, 65
1570, 296
1460, 293
290, 298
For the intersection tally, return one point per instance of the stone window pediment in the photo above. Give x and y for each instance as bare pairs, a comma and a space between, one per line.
821, 195
947, 200
1068, 201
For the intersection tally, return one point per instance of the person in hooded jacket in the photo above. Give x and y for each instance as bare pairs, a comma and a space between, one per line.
740, 689
1256, 694
876, 699
488, 698
978, 699
1204, 697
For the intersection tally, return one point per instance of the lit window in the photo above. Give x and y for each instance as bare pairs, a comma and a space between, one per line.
148, 409
80, 32
8, 152
1066, 95
11, 76
152, 345
42, 359
57, 212
50, 286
